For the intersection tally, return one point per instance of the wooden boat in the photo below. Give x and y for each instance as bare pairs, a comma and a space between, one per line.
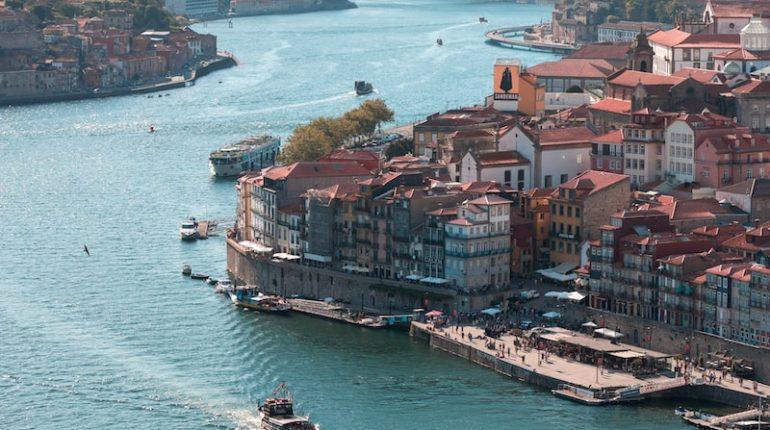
245, 298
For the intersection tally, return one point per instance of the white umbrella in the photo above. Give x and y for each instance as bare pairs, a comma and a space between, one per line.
491, 311
590, 324
551, 315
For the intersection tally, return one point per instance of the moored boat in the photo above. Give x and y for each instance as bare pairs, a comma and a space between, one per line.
244, 297
439, 42
189, 230
250, 154
363, 88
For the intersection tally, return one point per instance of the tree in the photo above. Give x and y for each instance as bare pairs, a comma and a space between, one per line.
362, 119
307, 143
399, 148
339, 130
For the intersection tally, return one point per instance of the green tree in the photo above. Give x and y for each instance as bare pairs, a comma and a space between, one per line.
399, 148
306, 144
338, 130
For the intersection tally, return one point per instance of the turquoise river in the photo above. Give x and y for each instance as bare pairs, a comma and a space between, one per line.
121, 340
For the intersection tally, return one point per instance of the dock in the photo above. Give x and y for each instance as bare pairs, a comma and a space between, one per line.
576, 381
505, 37
752, 418
203, 230
336, 312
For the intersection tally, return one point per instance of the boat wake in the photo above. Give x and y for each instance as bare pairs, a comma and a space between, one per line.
438, 32
349, 94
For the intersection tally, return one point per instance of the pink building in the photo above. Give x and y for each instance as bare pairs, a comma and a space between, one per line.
730, 158
607, 152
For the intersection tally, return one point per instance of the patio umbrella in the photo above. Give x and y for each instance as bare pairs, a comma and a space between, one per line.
590, 324
551, 315
491, 311
433, 314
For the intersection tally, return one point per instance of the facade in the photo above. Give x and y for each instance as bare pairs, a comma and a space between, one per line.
478, 244
724, 160
626, 31
506, 167
193, 8
556, 154
644, 142
607, 152
675, 49
751, 196
579, 207
439, 126
568, 74
687, 132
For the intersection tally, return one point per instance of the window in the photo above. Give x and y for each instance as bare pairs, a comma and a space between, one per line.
548, 181
563, 178
520, 175
569, 210
507, 176
561, 210
577, 212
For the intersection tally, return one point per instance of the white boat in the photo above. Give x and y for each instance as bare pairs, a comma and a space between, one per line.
260, 302
223, 286
189, 230
251, 154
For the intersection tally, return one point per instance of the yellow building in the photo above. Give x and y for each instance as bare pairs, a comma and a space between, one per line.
531, 95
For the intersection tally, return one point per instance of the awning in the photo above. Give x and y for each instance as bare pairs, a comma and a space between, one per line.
627, 354
354, 268
285, 256
413, 277
609, 334
491, 311
254, 246
559, 273
319, 258
551, 315
432, 280
566, 295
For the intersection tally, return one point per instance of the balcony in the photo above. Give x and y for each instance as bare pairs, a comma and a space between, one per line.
468, 254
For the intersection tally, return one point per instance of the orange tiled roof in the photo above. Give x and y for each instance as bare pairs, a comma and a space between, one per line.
668, 38
617, 106
573, 68
632, 78
502, 158
304, 169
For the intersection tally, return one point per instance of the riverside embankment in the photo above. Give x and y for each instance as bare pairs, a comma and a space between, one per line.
580, 382
222, 61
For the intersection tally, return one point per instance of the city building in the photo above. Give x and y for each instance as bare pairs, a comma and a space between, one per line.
626, 31
556, 154
572, 75
579, 207
644, 143
194, 8
607, 152
506, 167
437, 127
727, 159
751, 196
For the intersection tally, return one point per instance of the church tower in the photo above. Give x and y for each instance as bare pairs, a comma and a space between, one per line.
640, 54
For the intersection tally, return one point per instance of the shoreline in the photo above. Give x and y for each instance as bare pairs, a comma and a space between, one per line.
223, 61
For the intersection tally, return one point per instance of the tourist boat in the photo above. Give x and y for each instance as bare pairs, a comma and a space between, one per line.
252, 153
363, 88
277, 413
439, 42
201, 276
186, 270
260, 302
482, 20
189, 230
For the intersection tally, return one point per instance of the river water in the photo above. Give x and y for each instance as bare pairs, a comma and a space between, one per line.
121, 340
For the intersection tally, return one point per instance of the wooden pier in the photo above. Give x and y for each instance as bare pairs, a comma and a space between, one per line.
754, 418
505, 37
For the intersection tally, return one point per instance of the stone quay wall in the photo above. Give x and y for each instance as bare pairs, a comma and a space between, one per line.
672, 340
370, 293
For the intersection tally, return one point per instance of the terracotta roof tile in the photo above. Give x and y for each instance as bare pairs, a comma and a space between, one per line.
573, 68
668, 38
632, 78
306, 169
617, 106
502, 158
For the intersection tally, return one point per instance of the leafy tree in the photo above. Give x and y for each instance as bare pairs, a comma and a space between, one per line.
399, 148
307, 143
338, 130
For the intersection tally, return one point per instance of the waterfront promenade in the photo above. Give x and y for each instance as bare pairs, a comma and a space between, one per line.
507, 37
582, 382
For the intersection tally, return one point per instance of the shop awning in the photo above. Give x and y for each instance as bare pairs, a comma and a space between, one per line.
319, 258
413, 277
285, 256
559, 273
432, 280
609, 334
254, 246
627, 354
491, 311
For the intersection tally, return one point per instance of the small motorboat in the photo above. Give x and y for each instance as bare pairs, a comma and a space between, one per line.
363, 88
680, 411
189, 230
439, 42
482, 20
260, 302
152, 129
223, 286
201, 276
186, 270
212, 281
277, 413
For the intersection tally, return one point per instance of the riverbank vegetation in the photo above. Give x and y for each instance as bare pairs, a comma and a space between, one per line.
652, 10
323, 135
